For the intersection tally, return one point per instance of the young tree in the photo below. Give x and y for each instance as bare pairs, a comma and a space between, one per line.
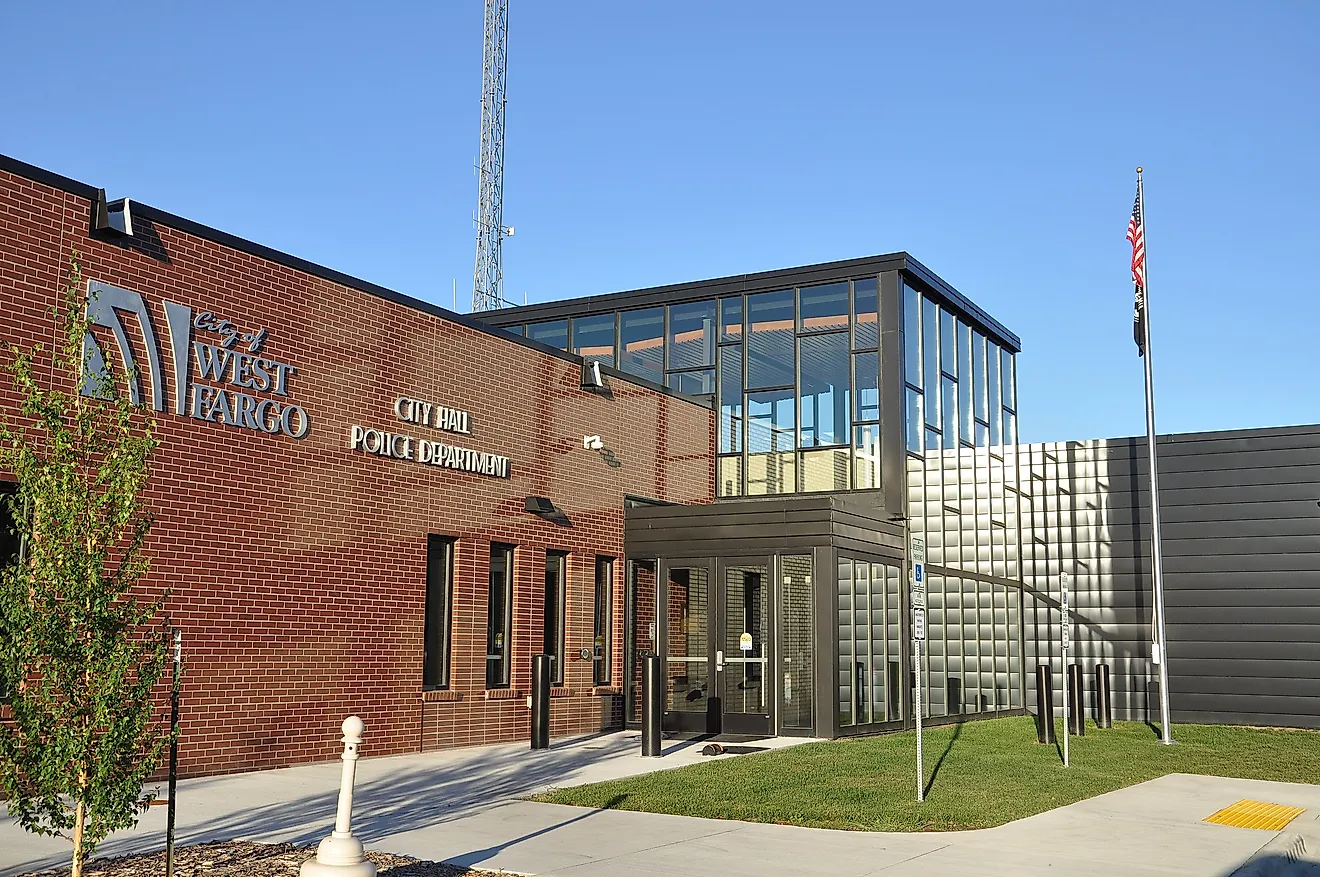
79, 655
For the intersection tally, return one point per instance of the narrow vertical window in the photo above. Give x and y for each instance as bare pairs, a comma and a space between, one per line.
556, 567
9, 545
601, 668
499, 607
439, 605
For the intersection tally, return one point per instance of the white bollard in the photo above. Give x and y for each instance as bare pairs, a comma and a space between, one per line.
340, 854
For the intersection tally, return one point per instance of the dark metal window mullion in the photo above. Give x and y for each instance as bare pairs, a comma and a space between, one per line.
797, 391
745, 474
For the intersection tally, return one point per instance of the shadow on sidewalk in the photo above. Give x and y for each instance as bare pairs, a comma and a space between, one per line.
390, 799
1276, 865
479, 856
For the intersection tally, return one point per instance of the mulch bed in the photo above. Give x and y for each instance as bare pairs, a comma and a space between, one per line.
244, 859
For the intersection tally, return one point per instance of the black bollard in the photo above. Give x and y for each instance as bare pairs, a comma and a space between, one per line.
541, 701
1104, 714
1044, 704
653, 703
1076, 701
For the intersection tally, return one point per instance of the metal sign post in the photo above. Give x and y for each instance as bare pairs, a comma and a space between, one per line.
174, 752
917, 594
1063, 581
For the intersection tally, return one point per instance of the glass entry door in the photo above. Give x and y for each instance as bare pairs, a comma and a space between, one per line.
717, 632
689, 662
742, 655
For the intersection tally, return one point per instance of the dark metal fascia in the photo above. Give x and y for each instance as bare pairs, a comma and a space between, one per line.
676, 293
942, 289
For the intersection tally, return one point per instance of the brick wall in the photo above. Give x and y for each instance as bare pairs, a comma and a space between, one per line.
298, 566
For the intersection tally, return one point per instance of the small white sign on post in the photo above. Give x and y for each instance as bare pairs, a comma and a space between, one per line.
917, 597
1067, 639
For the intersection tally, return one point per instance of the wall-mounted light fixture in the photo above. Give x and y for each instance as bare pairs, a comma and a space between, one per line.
116, 218
592, 379
540, 506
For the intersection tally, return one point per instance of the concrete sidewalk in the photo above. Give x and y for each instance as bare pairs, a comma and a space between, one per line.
459, 807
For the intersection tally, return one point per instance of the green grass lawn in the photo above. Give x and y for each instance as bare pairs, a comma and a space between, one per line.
980, 774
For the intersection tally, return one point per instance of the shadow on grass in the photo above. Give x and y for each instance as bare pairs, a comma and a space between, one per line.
957, 732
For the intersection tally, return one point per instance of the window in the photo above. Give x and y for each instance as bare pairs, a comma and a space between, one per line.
593, 337
692, 334
866, 307
731, 397
965, 383
771, 461
948, 344
556, 575
869, 633
602, 668
995, 406
499, 615
9, 543
866, 378
699, 382
825, 403
823, 307
914, 420
642, 343
554, 333
731, 321
912, 336
930, 350
8, 535
770, 339
439, 606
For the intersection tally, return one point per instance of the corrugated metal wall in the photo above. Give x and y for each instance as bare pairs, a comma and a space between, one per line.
1242, 570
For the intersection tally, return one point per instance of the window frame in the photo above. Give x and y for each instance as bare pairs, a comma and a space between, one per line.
553, 643
602, 667
438, 625
495, 681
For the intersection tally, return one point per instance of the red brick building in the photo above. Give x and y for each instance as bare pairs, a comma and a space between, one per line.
335, 455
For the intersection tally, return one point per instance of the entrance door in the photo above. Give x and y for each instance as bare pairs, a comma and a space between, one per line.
743, 651
717, 641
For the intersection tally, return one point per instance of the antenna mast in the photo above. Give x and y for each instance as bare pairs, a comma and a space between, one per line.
488, 277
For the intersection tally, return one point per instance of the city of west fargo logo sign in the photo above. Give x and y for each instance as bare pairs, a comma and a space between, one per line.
222, 373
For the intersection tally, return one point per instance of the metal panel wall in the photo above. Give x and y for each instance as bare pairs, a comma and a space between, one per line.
1242, 570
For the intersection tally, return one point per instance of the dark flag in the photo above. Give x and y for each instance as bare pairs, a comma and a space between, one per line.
1136, 234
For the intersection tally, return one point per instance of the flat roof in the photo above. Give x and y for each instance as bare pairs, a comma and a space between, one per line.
85, 190
804, 275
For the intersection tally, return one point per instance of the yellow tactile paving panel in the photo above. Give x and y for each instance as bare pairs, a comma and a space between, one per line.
1256, 814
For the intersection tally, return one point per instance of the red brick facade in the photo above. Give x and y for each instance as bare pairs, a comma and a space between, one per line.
298, 564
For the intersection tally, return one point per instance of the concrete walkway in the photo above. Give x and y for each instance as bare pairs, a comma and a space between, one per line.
460, 807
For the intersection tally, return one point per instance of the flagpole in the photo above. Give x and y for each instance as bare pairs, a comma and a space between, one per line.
1166, 735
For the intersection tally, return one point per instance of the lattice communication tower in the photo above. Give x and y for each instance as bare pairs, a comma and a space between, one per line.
488, 277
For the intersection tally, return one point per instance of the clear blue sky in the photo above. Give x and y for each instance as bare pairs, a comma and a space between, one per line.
657, 143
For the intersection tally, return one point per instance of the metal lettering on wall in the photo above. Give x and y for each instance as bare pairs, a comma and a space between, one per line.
428, 452
244, 387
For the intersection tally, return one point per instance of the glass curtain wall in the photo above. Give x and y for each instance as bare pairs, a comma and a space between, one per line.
870, 647
961, 433
795, 374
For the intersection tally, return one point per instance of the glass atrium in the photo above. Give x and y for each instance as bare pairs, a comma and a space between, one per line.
871, 379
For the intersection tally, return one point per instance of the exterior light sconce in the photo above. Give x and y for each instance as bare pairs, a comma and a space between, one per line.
543, 508
116, 218
540, 506
592, 379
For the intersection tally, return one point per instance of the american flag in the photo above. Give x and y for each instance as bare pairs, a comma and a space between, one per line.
1136, 234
